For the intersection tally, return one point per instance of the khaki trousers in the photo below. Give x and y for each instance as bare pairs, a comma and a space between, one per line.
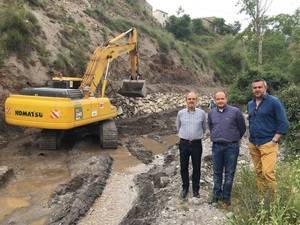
264, 160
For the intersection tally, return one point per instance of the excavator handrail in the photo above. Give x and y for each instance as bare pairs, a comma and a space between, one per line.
99, 60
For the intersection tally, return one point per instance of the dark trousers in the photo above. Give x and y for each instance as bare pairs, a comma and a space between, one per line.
224, 159
193, 149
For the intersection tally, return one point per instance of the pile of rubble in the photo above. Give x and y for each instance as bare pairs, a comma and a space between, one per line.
152, 103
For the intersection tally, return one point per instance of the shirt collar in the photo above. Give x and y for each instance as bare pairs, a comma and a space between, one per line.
191, 111
265, 96
221, 110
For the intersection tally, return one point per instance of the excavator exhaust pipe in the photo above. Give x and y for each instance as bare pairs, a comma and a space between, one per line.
133, 88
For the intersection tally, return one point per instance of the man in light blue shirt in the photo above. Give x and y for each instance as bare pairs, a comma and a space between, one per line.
191, 126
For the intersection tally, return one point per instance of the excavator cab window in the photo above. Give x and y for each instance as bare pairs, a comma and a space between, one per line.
69, 84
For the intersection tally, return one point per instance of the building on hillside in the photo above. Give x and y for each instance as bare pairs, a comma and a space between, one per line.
161, 16
145, 6
209, 24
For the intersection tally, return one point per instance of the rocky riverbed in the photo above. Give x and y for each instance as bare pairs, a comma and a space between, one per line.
139, 183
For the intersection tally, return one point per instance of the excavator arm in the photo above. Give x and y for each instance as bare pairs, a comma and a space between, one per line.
102, 56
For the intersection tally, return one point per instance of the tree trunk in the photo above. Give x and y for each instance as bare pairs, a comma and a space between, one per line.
259, 35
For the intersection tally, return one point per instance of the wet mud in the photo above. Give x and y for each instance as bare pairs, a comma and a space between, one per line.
59, 187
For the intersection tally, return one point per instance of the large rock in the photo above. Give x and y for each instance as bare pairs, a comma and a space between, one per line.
5, 173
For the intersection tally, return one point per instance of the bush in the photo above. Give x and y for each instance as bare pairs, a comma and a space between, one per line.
2, 57
181, 27
36, 3
18, 28
291, 98
251, 207
73, 63
240, 91
228, 58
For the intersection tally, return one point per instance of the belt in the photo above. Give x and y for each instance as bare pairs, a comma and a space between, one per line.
225, 143
191, 141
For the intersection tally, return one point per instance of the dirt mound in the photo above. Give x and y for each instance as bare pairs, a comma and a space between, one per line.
72, 200
161, 123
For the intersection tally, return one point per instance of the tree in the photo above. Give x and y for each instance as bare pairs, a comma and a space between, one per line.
180, 11
256, 9
235, 27
197, 27
181, 27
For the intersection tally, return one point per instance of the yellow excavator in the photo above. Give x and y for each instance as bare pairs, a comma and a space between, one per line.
69, 103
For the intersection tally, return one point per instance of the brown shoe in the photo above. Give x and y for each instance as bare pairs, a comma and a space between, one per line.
225, 205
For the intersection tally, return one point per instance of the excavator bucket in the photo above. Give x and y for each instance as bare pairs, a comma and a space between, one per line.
133, 88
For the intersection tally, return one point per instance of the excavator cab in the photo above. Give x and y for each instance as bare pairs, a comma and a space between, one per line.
64, 82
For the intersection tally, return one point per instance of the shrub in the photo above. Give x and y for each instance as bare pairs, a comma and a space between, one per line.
36, 3
240, 91
251, 207
72, 63
228, 58
291, 98
2, 57
181, 27
18, 29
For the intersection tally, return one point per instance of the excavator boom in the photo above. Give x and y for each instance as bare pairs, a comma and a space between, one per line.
101, 58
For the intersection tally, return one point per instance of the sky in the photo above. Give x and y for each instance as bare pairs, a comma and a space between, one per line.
226, 9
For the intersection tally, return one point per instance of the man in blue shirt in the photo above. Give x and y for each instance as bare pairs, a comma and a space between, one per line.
267, 123
227, 126
191, 125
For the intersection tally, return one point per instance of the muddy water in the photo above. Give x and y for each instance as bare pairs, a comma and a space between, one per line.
157, 147
120, 192
37, 174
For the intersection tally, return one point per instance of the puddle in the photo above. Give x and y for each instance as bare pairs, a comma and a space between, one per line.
25, 197
122, 159
153, 146
156, 147
170, 139
37, 174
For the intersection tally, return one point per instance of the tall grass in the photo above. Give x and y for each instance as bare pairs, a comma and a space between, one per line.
282, 208
18, 29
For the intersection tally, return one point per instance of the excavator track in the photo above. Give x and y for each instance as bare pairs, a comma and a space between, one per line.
50, 140
108, 134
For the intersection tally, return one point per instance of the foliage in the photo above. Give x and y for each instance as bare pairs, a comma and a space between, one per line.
2, 57
98, 14
73, 62
18, 29
240, 91
198, 28
251, 207
229, 58
181, 27
291, 98
36, 3
223, 28
44, 54
275, 52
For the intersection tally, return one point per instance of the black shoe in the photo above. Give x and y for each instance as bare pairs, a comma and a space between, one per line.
184, 193
196, 195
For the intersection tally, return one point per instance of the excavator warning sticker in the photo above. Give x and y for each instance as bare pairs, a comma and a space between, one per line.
78, 113
55, 114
